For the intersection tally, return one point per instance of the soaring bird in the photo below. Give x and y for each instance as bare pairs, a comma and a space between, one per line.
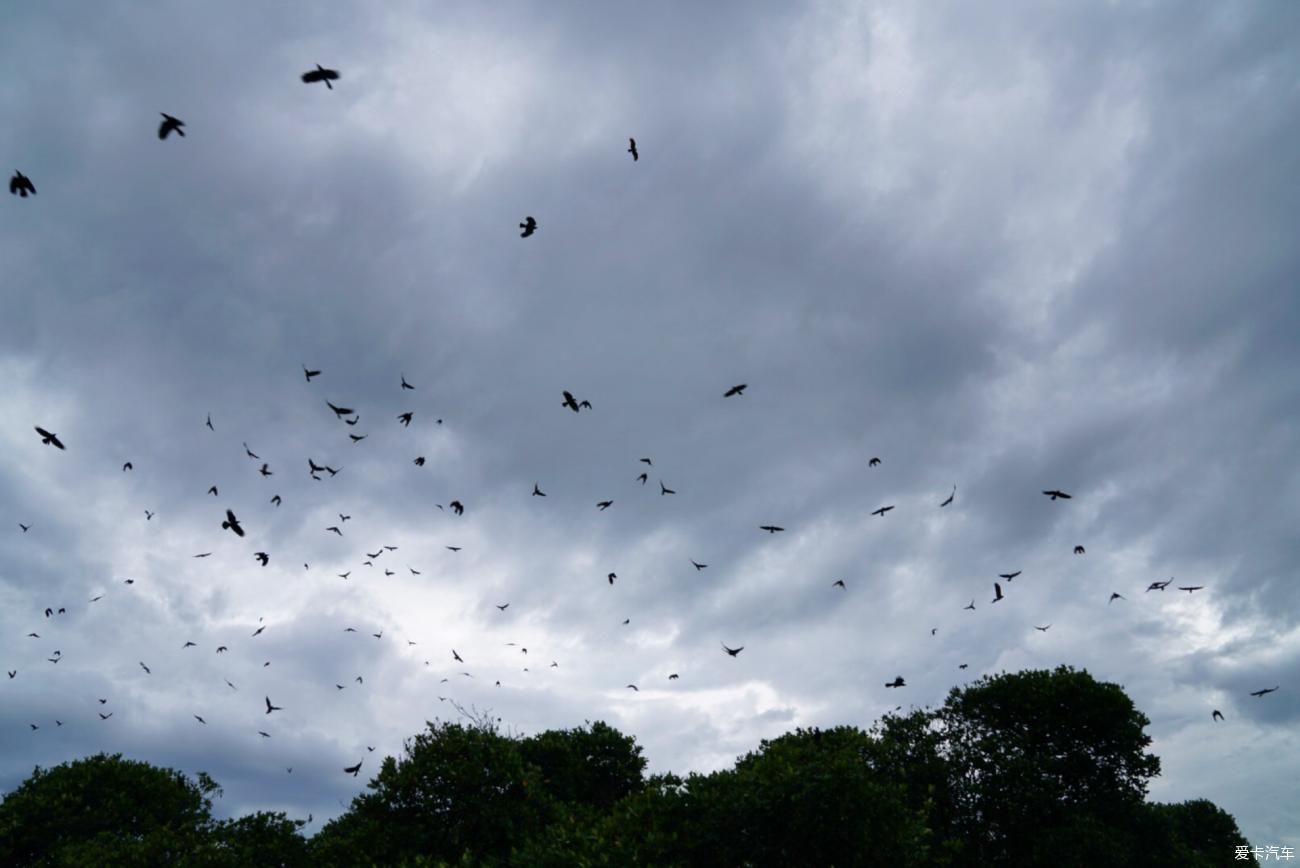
570, 401
21, 185
405, 419
1158, 586
1115, 595
698, 567
643, 478
352, 770
270, 708
875, 462
647, 461
148, 516
251, 454
631, 149
49, 439
312, 467
457, 507
189, 645
529, 226
170, 125
1078, 550
634, 687
1042, 629
263, 557
406, 385
232, 524
1216, 715
971, 606
320, 73
103, 716
266, 470
1191, 588
839, 583
997, 592
770, 528
1055, 493
503, 606
209, 423
537, 492
1265, 691
127, 466
738, 389
25, 527
419, 462
612, 577
1009, 576
276, 500
454, 548
455, 656
732, 651
897, 682
950, 497
147, 670
881, 512
340, 412
663, 489
357, 438
309, 373
604, 505
258, 631
213, 491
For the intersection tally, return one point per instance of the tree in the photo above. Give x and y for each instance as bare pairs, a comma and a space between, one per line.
596, 766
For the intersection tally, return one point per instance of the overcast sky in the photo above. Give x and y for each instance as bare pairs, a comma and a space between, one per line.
1005, 248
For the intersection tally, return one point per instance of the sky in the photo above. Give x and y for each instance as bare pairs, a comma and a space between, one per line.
1007, 249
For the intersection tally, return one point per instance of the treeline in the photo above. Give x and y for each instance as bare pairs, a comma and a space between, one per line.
1032, 768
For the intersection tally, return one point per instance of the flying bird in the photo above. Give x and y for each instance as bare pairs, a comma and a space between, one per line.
25, 527
897, 682
270, 708
672, 677
881, 512
1265, 691
170, 125
21, 185
612, 577
1055, 493
232, 524
631, 149
49, 439
262, 556
698, 567
221, 649
570, 402
1078, 550
1042, 629
1115, 595
456, 656
213, 491
1009, 576
875, 462
251, 454
457, 507
334, 529
603, 505
103, 716
320, 73
971, 606
258, 631
127, 466
1216, 715
204, 554
148, 516
352, 770
503, 606
1158, 586
189, 645
453, 548
537, 492
839, 583
663, 489
529, 226
634, 687
770, 528
406, 385
405, 419
276, 500
147, 670
1191, 588
419, 462
736, 390
950, 497
732, 651
340, 412
209, 423
309, 374
997, 592
266, 470
643, 478
647, 461
357, 438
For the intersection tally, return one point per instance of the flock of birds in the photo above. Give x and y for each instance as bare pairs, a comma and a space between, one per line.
22, 186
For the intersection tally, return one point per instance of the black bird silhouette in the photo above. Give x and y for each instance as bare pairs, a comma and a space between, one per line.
732, 651
258, 631
213, 491
1042, 629
875, 462
127, 466
309, 374
604, 505
320, 73
631, 149
11, 672
334, 529
537, 492
971, 606
209, 423
232, 524
644, 477
266, 470
456, 656
357, 438
103, 716
1055, 493
634, 687
251, 454
1078, 550
170, 125
352, 770
1158, 586
221, 649
950, 497
25, 527
839, 583
1216, 715
570, 401
881, 512
148, 516
1265, 691
612, 577
405, 419
647, 461
229, 684
343, 517
376, 554
698, 567
332, 471
1115, 595
457, 507
262, 556
204, 554
344, 575
49, 439
770, 528
147, 670
419, 462
897, 682
340, 412
189, 645
736, 390
1191, 588
663, 489
1009, 576
21, 185
276, 500
270, 708
454, 548
672, 677
529, 226
503, 606
997, 592
406, 385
